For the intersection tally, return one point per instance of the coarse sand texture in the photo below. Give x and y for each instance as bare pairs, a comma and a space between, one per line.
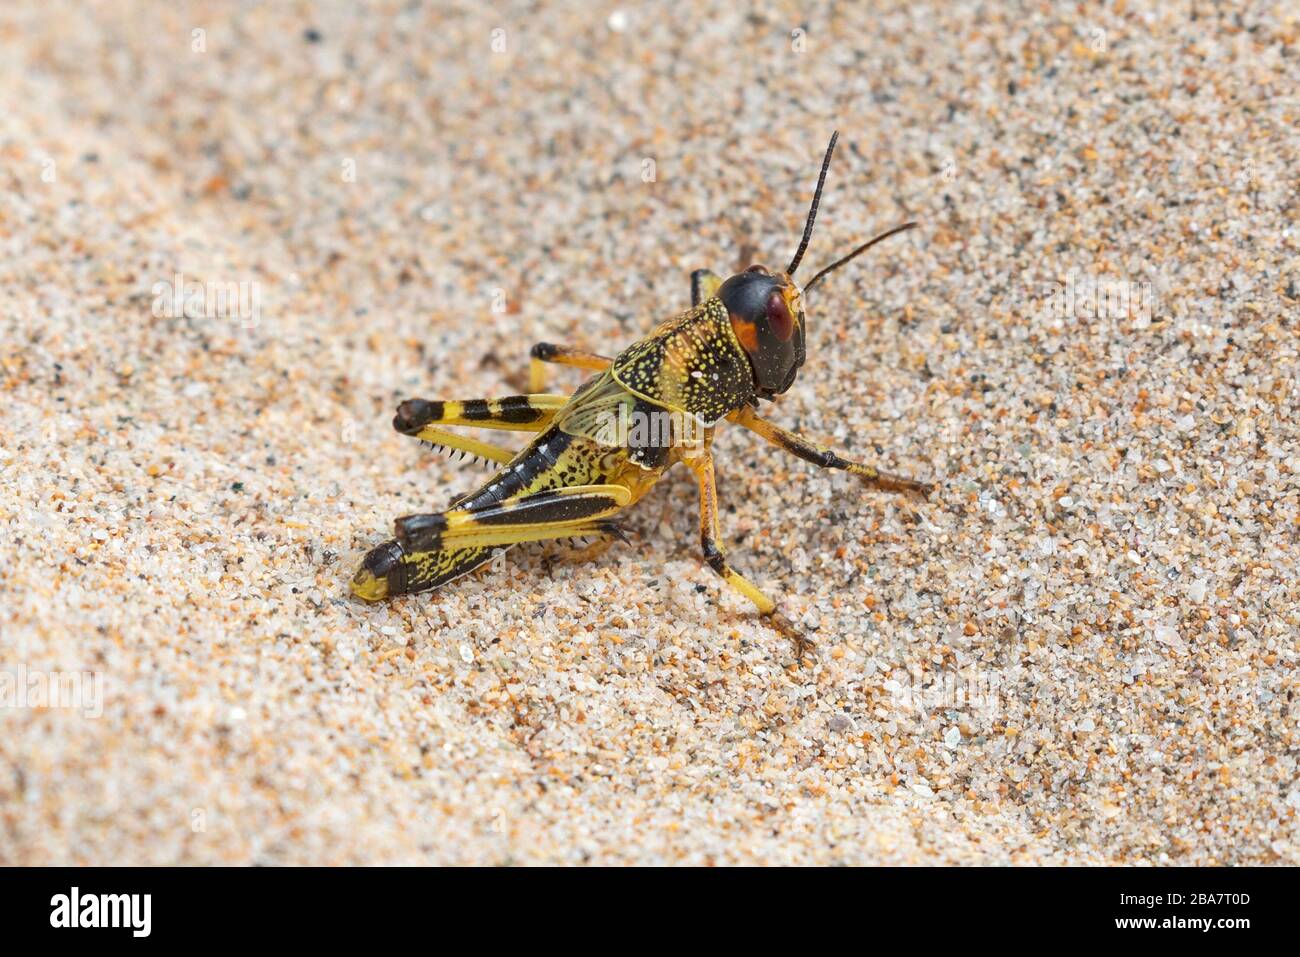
233, 237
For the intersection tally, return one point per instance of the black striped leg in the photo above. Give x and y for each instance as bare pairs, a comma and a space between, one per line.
711, 544
518, 413
545, 352
430, 550
550, 514
825, 458
704, 285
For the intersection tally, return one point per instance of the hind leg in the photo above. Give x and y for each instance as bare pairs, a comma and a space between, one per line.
519, 413
545, 352
430, 550
390, 570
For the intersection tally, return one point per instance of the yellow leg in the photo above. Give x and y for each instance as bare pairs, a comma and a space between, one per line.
555, 511
704, 285
390, 569
517, 413
462, 443
711, 545
702, 466
545, 352
514, 413
518, 534
430, 550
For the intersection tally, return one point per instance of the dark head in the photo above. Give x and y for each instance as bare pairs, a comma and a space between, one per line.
767, 316
766, 307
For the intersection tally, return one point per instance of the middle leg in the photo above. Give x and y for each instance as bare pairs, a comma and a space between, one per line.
711, 546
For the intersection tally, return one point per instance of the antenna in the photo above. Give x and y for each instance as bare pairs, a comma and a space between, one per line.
812, 212
857, 252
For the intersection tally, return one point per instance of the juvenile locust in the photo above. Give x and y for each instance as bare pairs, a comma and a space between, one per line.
741, 341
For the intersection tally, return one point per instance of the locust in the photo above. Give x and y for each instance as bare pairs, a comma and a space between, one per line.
598, 451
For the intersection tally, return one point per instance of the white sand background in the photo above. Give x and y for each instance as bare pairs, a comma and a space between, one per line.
1082, 649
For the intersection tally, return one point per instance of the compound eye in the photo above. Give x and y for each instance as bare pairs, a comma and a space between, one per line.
779, 319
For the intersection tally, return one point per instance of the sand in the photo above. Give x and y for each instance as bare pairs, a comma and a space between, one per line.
1082, 649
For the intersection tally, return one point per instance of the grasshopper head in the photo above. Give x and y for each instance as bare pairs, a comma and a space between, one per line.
766, 312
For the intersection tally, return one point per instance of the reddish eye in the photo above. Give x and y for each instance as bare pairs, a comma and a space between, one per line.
779, 319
